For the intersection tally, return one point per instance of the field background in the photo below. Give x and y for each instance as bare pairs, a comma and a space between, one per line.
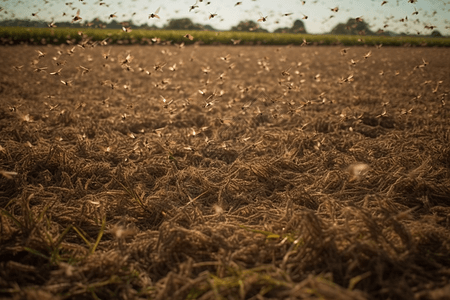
224, 172
40, 36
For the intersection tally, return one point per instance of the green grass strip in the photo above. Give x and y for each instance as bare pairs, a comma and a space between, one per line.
17, 35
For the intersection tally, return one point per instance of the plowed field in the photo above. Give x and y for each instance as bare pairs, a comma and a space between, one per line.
224, 172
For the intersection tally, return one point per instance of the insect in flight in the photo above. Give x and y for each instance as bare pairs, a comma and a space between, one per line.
155, 14
262, 19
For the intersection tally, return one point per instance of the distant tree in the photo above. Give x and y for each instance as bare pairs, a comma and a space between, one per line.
114, 24
297, 27
436, 33
208, 27
384, 32
353, 27
186, 24
22, 23
248, 26
340, 29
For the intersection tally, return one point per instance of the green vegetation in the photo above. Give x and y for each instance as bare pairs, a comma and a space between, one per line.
20, 35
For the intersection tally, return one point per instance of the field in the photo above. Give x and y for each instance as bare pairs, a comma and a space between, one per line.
224, 172
42, 36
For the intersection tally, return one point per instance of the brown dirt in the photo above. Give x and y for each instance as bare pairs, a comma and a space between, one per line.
255, 196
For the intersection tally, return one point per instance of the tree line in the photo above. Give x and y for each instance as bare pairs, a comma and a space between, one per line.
352, 27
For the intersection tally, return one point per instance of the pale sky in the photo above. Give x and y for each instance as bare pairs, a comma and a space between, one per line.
320, 17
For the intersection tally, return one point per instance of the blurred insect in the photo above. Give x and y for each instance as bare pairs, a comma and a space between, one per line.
127, 59
71, 51
51, 107
187, 102
262, 19
222, 76
217, 209
206, 70
415, 12
336, 9
40, 54
357, 170
406, 112
56, 73
287, 15
383, 3
209, 101
434, 91
383, 114
155, 14
344, 51
368, 54
68, 82
166, 102
193, 6
359, 19
226, 58
189, 148
26, 118
111, 16
77, 17
238, 3
349, 78
83, 70
159, 67
52, 24
425, 63
285, 72
173, 68
40, 69
106, 54
211, 15
236, 42
188, 36
305, 17
258, 111
353, 62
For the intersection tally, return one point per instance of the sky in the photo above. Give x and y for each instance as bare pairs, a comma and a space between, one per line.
320, 17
